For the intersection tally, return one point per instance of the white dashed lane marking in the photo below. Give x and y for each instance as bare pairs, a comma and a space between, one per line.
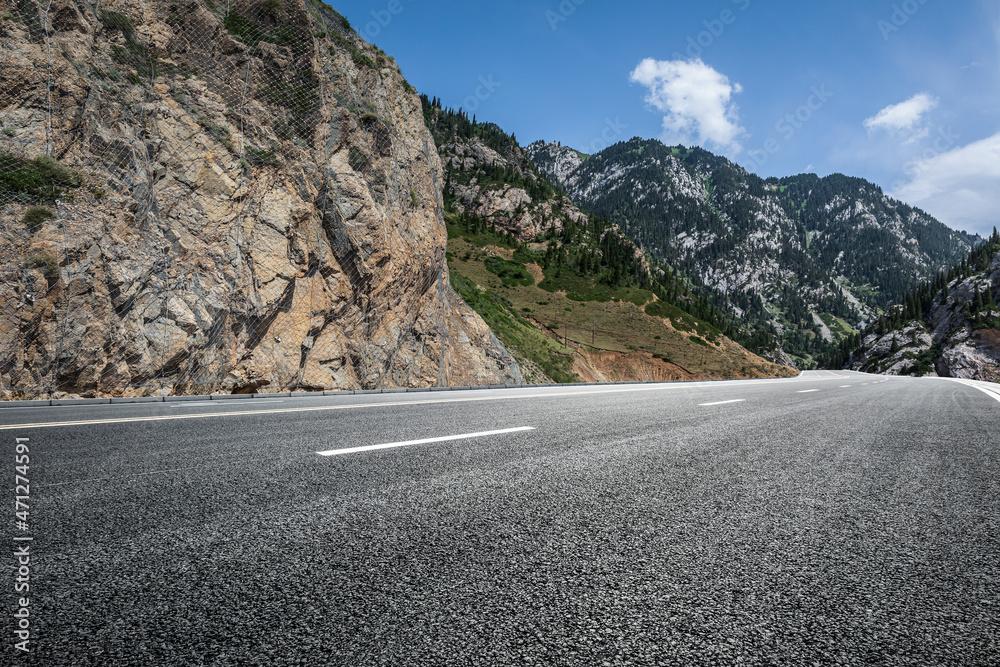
426, 441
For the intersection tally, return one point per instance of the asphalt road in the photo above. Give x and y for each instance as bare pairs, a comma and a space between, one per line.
836, 518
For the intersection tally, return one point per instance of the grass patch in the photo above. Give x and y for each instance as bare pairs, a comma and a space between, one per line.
274, 7
360, 58
519, 336
36, 216
43, 179
259, 156
683, 321
113, 21
45, 263
838, 327
246, 30
511, 273
583, 289
220, 132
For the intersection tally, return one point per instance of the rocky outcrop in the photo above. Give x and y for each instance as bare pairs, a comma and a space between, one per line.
906, 351
558, 162
506, 206
959, 339
256, 204
484, 183
780, 357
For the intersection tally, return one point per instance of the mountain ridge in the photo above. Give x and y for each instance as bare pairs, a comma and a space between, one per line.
780, 252
531, 261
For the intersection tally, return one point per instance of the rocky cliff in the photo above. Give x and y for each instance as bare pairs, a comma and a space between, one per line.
239, 196
957, 336
489, 176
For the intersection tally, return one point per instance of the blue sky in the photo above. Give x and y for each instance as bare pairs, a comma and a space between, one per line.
905, 93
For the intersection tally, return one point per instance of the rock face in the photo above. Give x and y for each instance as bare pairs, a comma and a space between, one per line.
960, 338
559, 162
503, 201
249, 200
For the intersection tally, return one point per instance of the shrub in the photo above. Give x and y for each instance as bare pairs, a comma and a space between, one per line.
45, 262
51, 170
243, 29
31, 181
510, 273
36, 216
261, 156
359, 57
274, 7
120, 22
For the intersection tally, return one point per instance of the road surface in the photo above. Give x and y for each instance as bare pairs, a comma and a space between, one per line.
835, 518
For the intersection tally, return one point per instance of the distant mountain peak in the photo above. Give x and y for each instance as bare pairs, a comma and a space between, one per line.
785, 253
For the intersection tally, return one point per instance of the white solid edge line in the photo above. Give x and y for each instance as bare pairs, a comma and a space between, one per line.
407, 443
738, 400
992, 393
361, 406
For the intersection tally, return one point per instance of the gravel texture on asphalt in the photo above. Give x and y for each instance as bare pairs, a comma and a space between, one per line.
849, 526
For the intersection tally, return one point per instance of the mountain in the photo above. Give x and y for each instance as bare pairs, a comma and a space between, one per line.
809, 259
567, 292
949, 327
220, 197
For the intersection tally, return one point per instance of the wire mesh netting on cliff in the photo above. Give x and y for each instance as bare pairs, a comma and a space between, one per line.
212, 196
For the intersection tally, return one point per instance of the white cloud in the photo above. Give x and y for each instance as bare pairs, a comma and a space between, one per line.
904, 116
960, 187
918, 136
697, 101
